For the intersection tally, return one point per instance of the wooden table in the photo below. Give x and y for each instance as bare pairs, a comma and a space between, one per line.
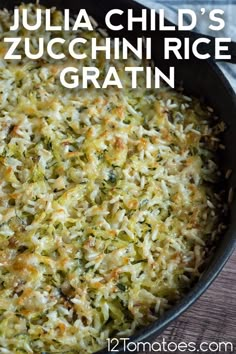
213, 317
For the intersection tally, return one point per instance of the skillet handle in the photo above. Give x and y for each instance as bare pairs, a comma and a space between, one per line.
211, 47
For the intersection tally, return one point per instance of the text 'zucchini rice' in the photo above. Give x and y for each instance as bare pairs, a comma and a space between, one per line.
107, 201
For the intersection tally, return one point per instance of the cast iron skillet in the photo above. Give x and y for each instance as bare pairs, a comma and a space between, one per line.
199, 78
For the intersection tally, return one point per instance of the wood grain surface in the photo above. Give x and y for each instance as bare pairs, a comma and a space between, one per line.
213, 317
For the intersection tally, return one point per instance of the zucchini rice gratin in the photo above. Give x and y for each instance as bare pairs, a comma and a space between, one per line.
109, 202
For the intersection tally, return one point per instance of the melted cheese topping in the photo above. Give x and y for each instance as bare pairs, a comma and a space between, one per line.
107, 202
